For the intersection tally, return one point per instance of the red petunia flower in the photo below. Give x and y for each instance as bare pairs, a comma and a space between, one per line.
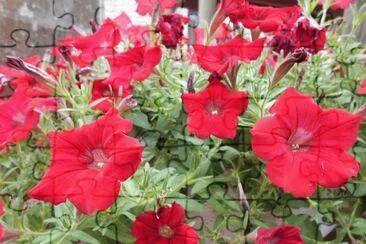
338, 4
164, 226
226, 8
283, 234
101, 43
18, 117
21, 80
171, 29
214, 110
305, 34
140, 60
220, 58
362, 89
306, 145
88, 164
267, 19
147, 7
308, 36
138, 35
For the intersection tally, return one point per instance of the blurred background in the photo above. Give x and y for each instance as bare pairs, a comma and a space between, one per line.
31, 26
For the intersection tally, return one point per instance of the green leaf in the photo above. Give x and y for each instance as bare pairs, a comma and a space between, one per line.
82, 236
139, 119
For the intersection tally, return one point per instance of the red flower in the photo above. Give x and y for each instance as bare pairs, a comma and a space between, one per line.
171, 28
136, 34
91, 47
18, 117
304, 34
283, 234
308, 36
214, 110
88, 163
282, 40
306, 145
267, 19
20, 80
119, 81
139, 35
338, 4
362, 89
145, 7
223, 33
220, 58
225, 9
140, 60
164, 226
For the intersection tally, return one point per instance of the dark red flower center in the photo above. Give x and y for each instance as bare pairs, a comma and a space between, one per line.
299, 140
213, 108
165, 231
96, 158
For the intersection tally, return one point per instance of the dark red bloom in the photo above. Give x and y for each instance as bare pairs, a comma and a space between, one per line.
164, 226
220, 58
101, 43
171, 27
304, 34
362, 89
88, 163
214, 110
145, 7
267, 19
139, 60
282, 40
306, 145
308, 36
283, 234
18, 117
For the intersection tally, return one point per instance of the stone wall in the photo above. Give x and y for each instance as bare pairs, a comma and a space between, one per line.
29, 27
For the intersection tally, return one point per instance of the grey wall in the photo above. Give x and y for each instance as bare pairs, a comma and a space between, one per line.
28, 27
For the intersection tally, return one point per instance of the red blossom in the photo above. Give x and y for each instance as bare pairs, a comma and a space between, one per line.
267, 19
171, 27
305, 34
283, 234
139, 60
306, 145
362, 89
19, 117
214, 110
101, 43
147, 7
21, 80
226, 8
164, 226
220, 58
138, 35
88, 163
308, 36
